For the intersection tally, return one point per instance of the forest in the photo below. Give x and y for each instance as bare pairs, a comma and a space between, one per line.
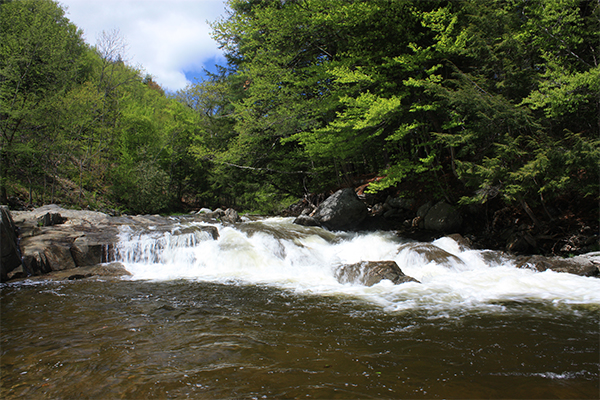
490, 102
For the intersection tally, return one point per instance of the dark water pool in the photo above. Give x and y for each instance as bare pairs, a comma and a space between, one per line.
185, 339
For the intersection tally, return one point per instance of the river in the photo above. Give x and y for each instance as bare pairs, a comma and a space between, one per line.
258, 313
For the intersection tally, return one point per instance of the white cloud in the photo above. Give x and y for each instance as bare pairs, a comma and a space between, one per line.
167, 38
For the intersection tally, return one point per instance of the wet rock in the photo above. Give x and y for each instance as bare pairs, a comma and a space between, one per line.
114, 269
84, 238
369, 273
342, 210
217, 215
66, 246
111, 270
463, 243
16, 273
94, 247
423, 210
11, 255
392, 213
432, 253
212, 231
231, 216
306, 220
50, 251
77, 276
87, 238
584, 265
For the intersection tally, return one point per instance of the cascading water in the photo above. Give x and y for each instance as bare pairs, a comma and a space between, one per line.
277, 253
255, 311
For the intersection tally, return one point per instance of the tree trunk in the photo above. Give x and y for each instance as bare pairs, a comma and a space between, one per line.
3, 178
529, 212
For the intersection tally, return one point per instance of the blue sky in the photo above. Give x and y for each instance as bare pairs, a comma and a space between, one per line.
169, 39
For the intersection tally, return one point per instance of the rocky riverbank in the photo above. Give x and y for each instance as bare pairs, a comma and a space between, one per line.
347, 210
58, 243
70, 243
485, 226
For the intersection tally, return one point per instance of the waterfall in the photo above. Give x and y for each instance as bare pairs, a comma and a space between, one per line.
275, 252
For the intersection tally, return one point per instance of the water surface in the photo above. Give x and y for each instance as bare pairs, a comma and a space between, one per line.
259, 314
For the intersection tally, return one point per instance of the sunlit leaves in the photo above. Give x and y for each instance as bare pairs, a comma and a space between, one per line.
564, 93
40, 60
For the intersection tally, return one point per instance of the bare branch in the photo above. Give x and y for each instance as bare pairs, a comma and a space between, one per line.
112, 46
266, 169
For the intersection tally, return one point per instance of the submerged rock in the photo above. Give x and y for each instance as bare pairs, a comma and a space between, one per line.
432, 253
584, 265
306, 220
369, 273
211, 231
112, 270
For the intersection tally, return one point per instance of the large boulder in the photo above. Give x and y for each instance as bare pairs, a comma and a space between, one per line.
400, 203
369, 273
442, 217
47, 252
342, 210
55, 239
11, 255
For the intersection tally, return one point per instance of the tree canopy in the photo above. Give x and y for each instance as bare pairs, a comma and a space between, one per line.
475, 100
501, 96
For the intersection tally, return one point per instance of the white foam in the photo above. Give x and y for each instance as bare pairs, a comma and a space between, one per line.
305, 262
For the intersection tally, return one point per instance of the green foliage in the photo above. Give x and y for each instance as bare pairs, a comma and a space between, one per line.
41, 59
80, 120
500, 95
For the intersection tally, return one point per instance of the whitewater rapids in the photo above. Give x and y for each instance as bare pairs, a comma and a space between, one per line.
276, 253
